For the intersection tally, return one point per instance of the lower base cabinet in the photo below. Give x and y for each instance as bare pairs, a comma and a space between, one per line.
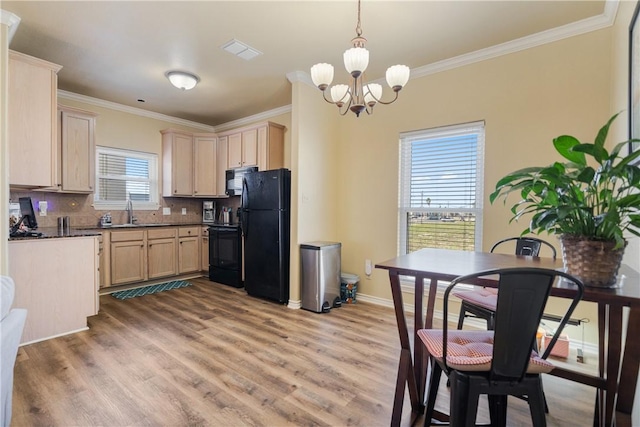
57, 282
131, 256
188, 249
161, 253
128, 257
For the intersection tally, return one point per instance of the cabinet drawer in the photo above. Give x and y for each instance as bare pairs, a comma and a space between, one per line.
188, 231
204, 231
126, 236
162, 233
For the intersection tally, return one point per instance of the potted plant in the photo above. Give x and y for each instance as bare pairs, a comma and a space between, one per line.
589, 200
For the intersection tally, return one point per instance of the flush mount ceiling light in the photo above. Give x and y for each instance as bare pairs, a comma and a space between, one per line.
182, 80
357, 97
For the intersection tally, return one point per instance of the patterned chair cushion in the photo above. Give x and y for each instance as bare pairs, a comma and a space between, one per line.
472, 350
483, 297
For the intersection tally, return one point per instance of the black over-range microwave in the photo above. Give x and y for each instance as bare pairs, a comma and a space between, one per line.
234, 180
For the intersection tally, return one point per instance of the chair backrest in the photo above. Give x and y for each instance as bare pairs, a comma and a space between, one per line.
522, 296
527, 246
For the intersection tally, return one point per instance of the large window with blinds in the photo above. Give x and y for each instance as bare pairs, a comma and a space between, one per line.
122, 175
441, 188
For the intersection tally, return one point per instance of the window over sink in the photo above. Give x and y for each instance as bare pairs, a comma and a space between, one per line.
123, 174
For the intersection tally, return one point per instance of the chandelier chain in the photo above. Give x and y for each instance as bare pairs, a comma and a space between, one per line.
358, 27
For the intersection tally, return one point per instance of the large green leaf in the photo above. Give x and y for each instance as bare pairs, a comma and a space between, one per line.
564, 145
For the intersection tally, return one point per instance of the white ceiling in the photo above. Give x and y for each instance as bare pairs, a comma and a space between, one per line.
119, 51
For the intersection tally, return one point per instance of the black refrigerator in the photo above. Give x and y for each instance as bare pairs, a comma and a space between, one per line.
265, 218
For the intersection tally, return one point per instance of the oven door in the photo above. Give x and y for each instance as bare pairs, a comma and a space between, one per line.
224, 250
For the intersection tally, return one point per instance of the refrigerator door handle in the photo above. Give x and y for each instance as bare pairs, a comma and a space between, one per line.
243, 203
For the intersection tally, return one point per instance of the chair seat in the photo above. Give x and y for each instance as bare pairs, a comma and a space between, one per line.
472, 350
483, 297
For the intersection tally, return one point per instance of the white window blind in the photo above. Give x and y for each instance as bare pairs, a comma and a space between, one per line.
441, 188
123, 174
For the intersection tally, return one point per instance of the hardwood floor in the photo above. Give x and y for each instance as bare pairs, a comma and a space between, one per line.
209, 355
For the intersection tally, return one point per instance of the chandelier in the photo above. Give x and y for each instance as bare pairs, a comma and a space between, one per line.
357, 96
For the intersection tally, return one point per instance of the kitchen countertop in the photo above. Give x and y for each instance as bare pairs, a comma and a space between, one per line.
54, 232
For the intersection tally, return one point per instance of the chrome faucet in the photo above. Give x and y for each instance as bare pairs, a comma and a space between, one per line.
132, 219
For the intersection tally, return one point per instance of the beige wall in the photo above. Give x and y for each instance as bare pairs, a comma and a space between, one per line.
315, 184
526, 99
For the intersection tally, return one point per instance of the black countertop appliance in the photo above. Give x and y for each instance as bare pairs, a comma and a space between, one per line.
265, 219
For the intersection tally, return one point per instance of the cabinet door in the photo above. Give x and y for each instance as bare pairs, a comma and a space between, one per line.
234, 150
204, 253
188, 255
32, 125
104, 255
127, 262
61, 291
77, 147
221, 166
205, 159
250, 148
161, 255
204, 248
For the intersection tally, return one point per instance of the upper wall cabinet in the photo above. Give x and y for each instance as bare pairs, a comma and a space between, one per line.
188, 164
261, 145
177, 163
205, 162
32, 125
77, 150
194, 164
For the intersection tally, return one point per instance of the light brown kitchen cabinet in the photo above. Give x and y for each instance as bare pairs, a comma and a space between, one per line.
57, 282
128, 257
261, 145
243, 149
32, 126
221, 166
77, 150
177, 163
204, 249
161, 253
188, 249
270, 146
205, 160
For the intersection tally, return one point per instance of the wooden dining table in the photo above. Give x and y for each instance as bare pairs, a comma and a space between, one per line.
617, 376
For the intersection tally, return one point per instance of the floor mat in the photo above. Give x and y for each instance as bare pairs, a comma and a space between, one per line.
138, 292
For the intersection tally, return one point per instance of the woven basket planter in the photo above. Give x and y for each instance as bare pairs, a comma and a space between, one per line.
594, 262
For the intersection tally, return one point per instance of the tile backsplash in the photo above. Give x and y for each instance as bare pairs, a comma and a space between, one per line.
79, 208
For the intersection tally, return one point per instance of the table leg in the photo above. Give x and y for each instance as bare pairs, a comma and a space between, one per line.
406, 373
614, 352
630, 367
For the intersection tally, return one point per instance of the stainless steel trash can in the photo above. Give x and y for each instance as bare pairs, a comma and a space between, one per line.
320, 275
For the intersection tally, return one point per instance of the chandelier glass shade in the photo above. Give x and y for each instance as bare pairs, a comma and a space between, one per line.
358, 96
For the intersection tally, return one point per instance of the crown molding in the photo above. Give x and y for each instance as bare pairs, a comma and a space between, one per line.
12, 21
157, 116
594, 23
265, 115
132, 110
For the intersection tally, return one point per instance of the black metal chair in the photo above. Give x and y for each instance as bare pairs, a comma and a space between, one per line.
497, 362
481, 303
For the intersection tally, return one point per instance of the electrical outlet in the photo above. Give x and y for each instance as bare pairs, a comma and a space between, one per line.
184, 211
166, 211
368, 267
42, 206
